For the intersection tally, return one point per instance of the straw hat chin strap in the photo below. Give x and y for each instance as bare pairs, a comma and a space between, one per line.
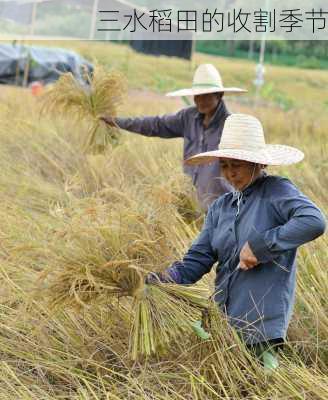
240, 194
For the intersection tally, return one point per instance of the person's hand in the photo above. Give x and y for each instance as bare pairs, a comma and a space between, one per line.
158, 277
108, 120
247, 259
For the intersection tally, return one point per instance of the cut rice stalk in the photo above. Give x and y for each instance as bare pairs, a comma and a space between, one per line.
162, 314
102, 96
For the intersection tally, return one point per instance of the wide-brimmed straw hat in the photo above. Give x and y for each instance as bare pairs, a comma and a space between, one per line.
207, 79
243, 139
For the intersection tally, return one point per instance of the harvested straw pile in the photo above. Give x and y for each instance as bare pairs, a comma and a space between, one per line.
160, 312
103, 94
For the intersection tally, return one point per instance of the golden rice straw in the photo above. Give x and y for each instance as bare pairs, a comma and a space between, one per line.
102, 95
160, 312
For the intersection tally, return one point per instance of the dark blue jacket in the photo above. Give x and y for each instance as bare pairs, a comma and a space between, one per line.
275, 218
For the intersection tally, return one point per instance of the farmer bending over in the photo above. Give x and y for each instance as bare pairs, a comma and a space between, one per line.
253, 233
200, 126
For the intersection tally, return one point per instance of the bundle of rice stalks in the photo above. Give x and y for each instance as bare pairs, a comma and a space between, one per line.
160, 313
102, 95
163, 314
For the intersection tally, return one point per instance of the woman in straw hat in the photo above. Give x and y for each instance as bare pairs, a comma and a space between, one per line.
253, 233
200, 126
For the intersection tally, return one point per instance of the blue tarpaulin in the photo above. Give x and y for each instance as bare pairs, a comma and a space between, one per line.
38, 63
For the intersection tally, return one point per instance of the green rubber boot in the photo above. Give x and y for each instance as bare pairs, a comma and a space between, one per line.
270, 361
200, 331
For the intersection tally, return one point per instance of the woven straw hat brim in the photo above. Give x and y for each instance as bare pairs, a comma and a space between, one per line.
213, 89
272, 154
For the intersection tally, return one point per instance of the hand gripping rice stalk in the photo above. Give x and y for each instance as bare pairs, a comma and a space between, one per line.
102, 95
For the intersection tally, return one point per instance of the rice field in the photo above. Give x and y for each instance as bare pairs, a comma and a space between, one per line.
68, 216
